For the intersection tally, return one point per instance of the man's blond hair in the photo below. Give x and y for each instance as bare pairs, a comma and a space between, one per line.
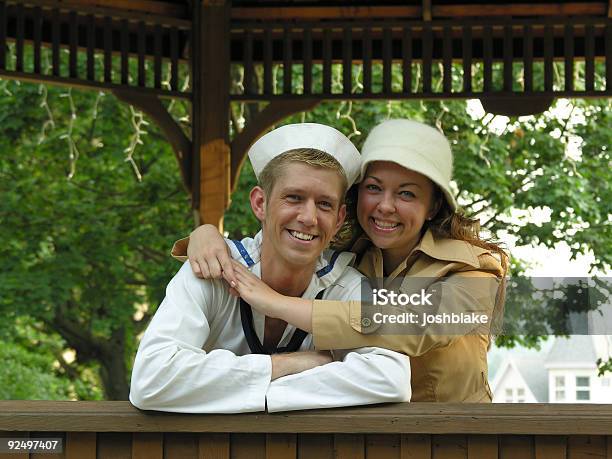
310, 156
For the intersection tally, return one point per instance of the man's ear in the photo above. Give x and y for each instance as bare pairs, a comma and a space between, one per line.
341, 218
258, 203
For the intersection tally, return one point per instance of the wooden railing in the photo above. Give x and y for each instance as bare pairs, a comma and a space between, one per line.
117, 430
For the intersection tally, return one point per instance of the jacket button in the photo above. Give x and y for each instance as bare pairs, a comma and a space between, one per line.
365, 322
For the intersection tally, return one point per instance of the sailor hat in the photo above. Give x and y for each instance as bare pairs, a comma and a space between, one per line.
306, 135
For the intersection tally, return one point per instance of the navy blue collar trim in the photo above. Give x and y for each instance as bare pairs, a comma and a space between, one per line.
245, 255
327, 269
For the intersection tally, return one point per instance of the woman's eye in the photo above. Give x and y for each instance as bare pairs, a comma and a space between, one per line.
407, 194
325, 204
372, 187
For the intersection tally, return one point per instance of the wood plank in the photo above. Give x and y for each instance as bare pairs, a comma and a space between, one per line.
114, 445
367, 60
73, 44
482, 447
427, 46
12, 436
528, 58
347, 61
147, 445
174, 59
37, 25
487, 59
157, 58
609, 57
268, 84
586, 447
55, 43
467, 58
407, 61
349, 446
548, 58
315, 446
80, 445
91, 37
142, 37
281, 446
248, 446
125, 44
108, 49
519, 9
387, 60
214, 446
181, 446
382, 446
568, 48
415, 446
247, 62
307, 60
3, 21
46, 454
449, 447
516, 447
327, 62
550, 447
447, 59
20, 19
609, 437
287, 60
508, 54
589, 58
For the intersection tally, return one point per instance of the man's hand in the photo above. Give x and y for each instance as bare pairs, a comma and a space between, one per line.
296, 362
208, 254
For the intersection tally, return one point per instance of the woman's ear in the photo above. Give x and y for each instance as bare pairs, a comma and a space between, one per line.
435, 206
258, 203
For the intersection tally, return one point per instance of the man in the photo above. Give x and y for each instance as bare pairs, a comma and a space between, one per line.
205, 351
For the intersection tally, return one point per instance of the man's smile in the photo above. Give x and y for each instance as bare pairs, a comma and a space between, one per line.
302, 237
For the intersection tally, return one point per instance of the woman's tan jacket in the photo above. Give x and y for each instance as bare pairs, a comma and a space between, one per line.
445, 367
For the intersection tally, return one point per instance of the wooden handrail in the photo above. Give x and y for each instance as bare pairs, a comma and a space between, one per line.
431, 418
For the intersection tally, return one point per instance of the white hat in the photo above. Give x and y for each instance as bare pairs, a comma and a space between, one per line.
415, 146
306, 135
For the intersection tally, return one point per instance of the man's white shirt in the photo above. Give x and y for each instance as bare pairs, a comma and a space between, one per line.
194, 357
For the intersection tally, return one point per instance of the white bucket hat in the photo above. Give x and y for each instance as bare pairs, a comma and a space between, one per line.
306, 135
415, 146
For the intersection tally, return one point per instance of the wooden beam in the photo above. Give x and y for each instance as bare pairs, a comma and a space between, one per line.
426, 10
521, 9
154, 109
211, 119
272, 114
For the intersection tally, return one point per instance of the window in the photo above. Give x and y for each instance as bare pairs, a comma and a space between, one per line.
583, 390
559, 388
559, 381
605, 382
520, 395
509, 396
559, 395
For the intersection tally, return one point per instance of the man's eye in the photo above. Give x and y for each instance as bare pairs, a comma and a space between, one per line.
293, 197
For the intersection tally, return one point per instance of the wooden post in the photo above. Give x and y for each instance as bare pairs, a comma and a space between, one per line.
211, 112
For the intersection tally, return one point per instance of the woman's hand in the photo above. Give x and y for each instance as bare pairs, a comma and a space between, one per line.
209, 255
256, 292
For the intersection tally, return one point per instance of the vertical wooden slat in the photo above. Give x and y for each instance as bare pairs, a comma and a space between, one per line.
281, 446
80, 445
467, 58
108, 43
589, 58
37, 24
214, 446
528, 58
482, 446
349, 446
548, 58
55, 39
91, 36
447, 59
114, 445
586, 446
247, 62
516, 446
508, 58
367, 60
347, 60
3, 21
181, 445
609, 447
125, 44
14, 435
157, 60
73, 44
382, 446
147, 445
319, 446
415, 446
550, 447
608, 42
268, 87
287, 60
142, 37
487, 59
427, 46
44, 454
174, 55
449, 447
327, 62
20, 33
307, 60
407, 60
248, 446
387, 60
568, 51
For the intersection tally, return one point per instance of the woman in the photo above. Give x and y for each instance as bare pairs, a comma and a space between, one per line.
411, 235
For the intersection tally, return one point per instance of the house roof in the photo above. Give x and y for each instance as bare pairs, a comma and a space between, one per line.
535, 375
578, 349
